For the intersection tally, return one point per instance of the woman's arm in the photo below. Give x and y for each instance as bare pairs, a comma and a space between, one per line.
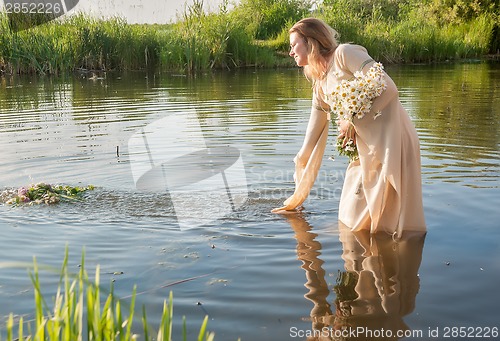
356, 62
355, 58
317, 122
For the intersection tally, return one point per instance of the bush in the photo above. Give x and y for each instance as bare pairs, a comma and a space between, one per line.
267, 18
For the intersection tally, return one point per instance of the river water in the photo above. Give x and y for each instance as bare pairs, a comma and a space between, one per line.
258, 275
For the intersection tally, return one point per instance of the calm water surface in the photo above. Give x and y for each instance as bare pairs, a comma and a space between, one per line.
258, 275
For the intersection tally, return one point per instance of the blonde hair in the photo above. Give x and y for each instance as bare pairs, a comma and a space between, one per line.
321, 41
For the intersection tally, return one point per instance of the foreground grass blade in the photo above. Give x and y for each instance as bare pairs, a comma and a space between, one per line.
77, 295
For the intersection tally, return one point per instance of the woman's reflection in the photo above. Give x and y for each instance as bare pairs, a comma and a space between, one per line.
308, 251
375, 291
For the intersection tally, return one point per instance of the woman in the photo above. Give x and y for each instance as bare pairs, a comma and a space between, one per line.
382, 189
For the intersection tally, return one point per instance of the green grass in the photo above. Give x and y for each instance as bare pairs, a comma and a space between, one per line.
80, 42
80, 310
252, 34
409, 32
198, 42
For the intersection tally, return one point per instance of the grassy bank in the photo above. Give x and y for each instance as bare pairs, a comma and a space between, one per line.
252, 34
410, 31
78, 313
198, 42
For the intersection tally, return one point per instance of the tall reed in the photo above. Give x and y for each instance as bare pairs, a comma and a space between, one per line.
79, 313
202, 41
199, 41
251, 34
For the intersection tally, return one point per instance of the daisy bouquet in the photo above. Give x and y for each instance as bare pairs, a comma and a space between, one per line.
353, 98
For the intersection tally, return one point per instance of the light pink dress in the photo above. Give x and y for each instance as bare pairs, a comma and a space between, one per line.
382, 190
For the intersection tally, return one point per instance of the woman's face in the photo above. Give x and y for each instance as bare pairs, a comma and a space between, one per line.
298, 49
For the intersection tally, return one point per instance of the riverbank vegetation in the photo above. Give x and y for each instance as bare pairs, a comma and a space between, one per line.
253, 33
78, 313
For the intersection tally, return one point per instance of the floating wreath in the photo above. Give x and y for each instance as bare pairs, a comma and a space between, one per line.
43, 193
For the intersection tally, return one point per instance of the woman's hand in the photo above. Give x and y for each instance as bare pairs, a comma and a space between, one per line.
346, 131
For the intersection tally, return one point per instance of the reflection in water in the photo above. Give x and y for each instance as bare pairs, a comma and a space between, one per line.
456, 109
66, 130
383, 273
308, 251
376, 290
